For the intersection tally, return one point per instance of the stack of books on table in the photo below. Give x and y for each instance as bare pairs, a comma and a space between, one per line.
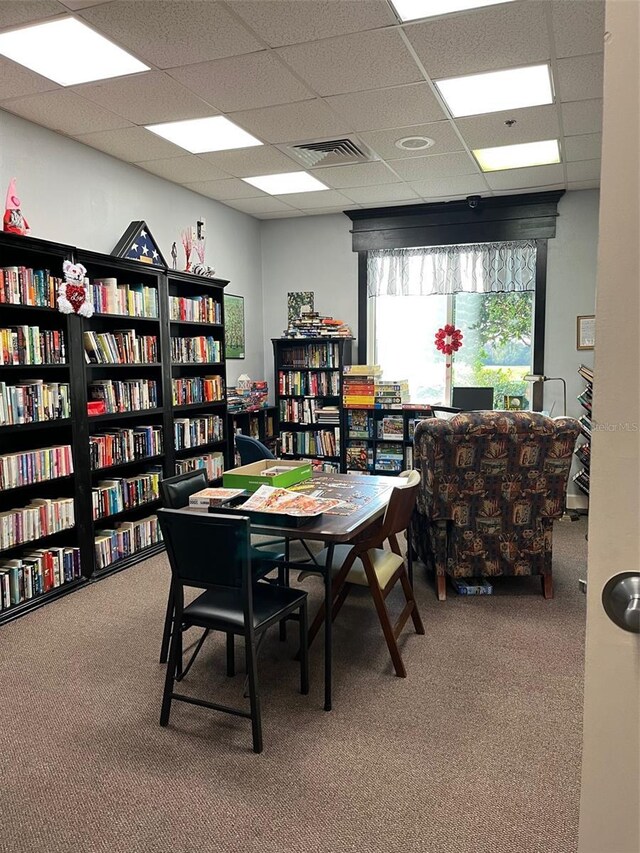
359, 385
248, 399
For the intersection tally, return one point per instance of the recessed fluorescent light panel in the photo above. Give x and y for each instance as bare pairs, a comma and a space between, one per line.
287, 182
215, 133
412, 10
511, 89
68, 52
518, 156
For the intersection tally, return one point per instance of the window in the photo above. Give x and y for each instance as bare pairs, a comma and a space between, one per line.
413, 293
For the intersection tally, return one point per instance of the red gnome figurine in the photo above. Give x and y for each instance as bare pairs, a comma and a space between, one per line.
14, 222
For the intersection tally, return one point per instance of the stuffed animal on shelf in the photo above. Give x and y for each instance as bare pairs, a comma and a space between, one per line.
202, 269
13, 221
72, 294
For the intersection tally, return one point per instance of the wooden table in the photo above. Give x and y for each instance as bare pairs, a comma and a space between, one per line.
366, 498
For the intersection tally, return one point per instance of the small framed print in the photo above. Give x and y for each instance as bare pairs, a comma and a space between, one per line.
234, 326
586, 332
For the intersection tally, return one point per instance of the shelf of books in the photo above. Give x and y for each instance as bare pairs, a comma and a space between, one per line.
95, 411
309, 376
583, 451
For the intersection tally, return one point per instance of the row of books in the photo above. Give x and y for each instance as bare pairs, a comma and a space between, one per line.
35, 466
324, 442
248, 397
298, 411
328, 415
312, 355
32, 345
126, 539
310, 324
122, 347
135, 300
128, 395
26, 286
195, 309
112, 496
197, 389
586, 373
212, 463
41, 517
581, 479
199, 350
33, 401
127, 444
193, 432
297, 383
370, 391
37, 572
362, 424
361, 456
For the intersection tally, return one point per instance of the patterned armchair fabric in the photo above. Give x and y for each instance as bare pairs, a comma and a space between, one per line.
492, 483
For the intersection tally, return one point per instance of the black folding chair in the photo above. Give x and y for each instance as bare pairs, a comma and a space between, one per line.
175, 493
212, 552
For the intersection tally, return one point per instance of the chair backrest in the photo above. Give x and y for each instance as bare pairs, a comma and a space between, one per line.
207, 550
251, 450
472, 399
400, 507
176, 491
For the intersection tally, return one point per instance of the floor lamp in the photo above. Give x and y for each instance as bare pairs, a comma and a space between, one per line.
538, 377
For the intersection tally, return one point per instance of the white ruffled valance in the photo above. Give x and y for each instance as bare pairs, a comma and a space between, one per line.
469, 268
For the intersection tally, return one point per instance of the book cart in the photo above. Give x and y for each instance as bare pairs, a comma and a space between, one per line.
95, 411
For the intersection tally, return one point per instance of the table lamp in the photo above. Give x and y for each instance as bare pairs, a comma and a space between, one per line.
538, 377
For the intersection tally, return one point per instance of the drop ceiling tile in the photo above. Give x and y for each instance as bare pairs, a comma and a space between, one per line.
313, 201
75, 5
580, 117
520, 190
394, 107
226, 189
265, 204
585, 170
184, 170
383, 142
448, 187
168, 34
370, 60
65, 112
382, 195
18, 81
16, 14
435, 166
146, 98
534, 176
580, 77
328, 211
484, 39
293, 122
282, 22
585, 147
248, 162
133, 144
578, 27
243, 82
584, 185
359, 175
532, 124
280, 214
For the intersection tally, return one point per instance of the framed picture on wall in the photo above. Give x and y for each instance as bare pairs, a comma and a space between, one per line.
233, 326
586, 332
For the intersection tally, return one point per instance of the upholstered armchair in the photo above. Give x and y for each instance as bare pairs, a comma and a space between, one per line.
492, 484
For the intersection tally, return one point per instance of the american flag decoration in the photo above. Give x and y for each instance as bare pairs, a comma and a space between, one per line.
137, 244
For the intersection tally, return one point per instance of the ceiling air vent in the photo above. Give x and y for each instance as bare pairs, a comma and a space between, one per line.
329, 152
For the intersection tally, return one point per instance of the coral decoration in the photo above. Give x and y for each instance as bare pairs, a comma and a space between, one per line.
187, 242
13, 221
448, 340
72, 294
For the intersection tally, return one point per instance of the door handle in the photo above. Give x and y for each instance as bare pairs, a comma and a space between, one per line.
621, 601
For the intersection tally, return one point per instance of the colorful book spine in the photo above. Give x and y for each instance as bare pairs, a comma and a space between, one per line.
41, 517
118, 446
126, 539
197, 389
212, 463
193, 432
113, 496
298, 383
129, 395
195, 309
199, 350
26, 467
122, 347
26, 286
134, 300
31, 345
33, 401
37, 572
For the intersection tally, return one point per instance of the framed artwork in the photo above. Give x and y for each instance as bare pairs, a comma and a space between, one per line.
297, 302
515, 403
586, 332
233, 326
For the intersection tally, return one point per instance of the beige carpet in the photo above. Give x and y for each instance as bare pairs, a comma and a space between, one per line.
476, 751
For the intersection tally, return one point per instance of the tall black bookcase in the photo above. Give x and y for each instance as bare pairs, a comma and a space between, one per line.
76, 430
308, 376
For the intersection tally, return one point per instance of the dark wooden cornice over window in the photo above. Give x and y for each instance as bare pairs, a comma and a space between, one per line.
530, 216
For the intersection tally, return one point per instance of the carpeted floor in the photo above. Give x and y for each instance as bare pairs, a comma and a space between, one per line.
476, 751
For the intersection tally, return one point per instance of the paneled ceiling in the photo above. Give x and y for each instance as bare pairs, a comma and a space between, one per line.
291, 71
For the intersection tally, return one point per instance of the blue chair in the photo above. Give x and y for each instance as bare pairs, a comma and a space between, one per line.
251, 450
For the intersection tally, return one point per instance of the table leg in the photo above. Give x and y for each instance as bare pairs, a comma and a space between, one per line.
328, 624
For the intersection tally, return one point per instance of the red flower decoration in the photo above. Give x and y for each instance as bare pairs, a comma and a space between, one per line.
448, 339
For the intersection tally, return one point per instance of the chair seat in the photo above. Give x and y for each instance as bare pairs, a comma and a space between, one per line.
222, 609
384, 563
263, 562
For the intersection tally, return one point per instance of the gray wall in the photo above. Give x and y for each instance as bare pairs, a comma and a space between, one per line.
74, 194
